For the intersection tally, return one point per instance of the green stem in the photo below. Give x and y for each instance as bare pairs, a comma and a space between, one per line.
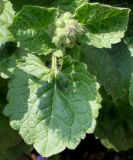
54, 65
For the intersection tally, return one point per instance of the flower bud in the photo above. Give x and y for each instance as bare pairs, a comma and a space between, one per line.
67, 31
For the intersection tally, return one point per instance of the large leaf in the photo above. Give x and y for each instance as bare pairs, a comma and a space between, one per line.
114, 125
6, 19
52, 113
113, 68
33, 27
105, 25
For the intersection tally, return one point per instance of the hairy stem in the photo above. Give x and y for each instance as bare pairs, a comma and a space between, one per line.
54, 65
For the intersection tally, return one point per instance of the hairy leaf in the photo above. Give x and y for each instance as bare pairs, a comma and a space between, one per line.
33, 27
105, 25
53, 113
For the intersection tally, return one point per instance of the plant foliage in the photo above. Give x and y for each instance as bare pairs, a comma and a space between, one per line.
60, 62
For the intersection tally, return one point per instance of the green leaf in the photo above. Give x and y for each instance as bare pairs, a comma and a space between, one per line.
1, 6
6, 19
66, 5
19, 4
113, 68
114, 125
75, 52
33, 27
105, 25
106, 143
34, 66
75, 3
58, 53
9, 62
56, 114
69, 5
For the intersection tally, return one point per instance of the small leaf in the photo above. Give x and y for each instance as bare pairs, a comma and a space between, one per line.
33, 27
105, 25
56, 114
58, 53
108, 144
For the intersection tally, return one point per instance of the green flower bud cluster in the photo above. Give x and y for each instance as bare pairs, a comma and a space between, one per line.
67, 31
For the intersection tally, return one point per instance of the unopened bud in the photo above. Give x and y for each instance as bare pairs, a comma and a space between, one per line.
67, 31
